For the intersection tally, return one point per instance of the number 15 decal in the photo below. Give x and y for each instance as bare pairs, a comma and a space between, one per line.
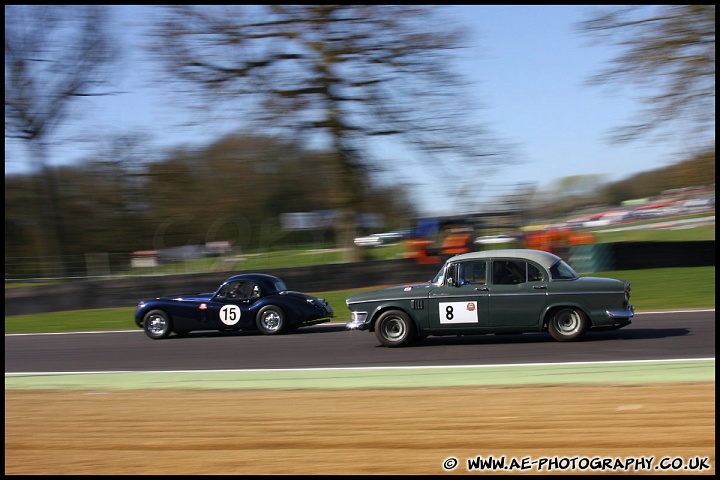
230, 314
458, 312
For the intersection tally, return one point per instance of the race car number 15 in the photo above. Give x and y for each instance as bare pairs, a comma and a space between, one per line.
230, 314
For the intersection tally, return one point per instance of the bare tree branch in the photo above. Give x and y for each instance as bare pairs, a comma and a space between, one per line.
667, 51
335, 75
53, 54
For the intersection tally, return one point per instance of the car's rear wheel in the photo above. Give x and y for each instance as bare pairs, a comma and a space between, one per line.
567, 324
157, 324
394, 328
271, 320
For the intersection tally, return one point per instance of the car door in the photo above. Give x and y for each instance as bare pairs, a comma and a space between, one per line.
230, 309
518, 293
461, 302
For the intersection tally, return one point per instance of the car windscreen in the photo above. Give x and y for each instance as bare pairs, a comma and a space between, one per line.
439, 277
562, 271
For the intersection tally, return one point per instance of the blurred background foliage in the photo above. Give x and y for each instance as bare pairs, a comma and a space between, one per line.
237, 189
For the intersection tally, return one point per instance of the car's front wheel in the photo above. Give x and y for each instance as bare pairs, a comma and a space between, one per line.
394, 328
157, 324
567, 324
271, 320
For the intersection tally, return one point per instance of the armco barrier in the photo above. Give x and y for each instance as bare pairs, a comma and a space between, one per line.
126, 292
591, 258
639, 255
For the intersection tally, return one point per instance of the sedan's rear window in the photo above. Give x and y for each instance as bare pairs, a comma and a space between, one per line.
562, 271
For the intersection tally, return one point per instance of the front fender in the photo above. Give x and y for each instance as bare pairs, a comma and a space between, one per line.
384, 307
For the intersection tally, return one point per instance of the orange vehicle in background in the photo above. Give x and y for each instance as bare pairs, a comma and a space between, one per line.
459, 240
450, 239
434, 238
555, 239
420, 250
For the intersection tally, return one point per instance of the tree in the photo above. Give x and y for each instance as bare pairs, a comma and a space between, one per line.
669, 52
53, 55
334, 76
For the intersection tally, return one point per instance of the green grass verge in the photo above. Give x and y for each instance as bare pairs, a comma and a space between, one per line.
668, 288
656, 235
655, 289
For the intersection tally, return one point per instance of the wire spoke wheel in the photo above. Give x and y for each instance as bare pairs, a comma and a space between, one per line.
271, 320
157, 324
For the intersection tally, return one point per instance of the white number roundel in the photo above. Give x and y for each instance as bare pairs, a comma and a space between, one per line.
230, 314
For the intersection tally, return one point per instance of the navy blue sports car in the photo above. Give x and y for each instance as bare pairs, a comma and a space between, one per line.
249, 301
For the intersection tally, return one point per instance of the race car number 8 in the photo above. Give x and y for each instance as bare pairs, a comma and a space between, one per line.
230, 314
458, 312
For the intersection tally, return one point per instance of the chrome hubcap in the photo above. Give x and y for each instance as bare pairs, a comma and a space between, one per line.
393, 329
156, 325
567, 322
271, 321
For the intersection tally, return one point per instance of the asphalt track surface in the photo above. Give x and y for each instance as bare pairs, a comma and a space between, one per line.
657, 346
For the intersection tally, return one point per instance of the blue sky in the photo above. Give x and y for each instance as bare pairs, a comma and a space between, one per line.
527, 63
531, 72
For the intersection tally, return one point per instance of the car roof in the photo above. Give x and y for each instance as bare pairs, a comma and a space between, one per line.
262, 278
545, 259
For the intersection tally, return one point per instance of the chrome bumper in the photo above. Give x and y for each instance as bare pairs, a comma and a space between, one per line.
629, 313
356, 325
358, 321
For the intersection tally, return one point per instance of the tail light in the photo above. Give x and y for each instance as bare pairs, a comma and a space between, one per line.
627, 294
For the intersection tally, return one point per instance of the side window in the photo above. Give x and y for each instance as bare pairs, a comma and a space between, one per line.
240, 290
473, 273
534, 273
233, 290
509, 272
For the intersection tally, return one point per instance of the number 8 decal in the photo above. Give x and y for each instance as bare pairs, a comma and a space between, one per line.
230, 314
453, 313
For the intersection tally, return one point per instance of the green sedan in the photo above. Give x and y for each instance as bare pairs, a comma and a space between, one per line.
496, 291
